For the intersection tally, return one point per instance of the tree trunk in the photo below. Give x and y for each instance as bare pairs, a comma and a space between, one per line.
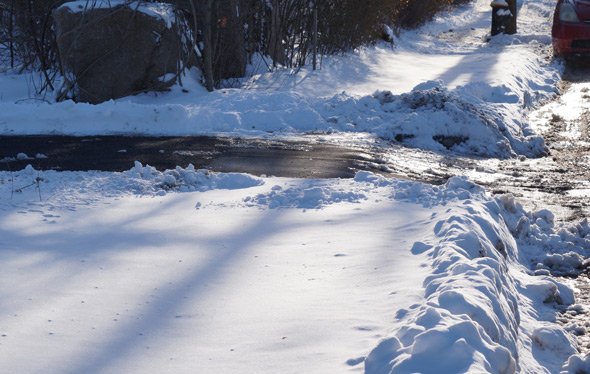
275, 48
11, 33
230, 56
208, 45
315, 34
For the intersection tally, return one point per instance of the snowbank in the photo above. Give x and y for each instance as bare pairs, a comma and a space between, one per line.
139, 180
475, 316
432, 117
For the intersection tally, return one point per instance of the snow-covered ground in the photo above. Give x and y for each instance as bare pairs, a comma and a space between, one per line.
148, 271
189, 271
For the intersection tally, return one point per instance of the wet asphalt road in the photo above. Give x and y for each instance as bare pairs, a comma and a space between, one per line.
223, 154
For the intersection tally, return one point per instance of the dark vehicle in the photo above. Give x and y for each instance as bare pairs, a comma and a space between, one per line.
571, 28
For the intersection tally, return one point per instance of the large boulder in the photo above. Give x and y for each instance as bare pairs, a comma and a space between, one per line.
117, 48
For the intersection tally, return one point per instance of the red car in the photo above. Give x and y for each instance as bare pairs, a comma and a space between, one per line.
571, 28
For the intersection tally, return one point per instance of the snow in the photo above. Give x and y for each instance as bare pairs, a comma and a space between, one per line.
186, 269
226, 271
163, 11
176, 288
577, 364
567, 109
499, 3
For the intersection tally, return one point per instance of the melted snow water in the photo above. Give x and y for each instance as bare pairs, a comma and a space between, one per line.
300, 159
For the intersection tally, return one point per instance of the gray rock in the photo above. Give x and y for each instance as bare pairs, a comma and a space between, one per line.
108, 53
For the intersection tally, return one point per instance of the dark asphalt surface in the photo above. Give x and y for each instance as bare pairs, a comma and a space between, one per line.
222, 154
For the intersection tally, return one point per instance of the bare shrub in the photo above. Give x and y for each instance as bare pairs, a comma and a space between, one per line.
226, 34
410, 14
26, 33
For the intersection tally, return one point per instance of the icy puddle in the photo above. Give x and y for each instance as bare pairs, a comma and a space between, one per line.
210, 282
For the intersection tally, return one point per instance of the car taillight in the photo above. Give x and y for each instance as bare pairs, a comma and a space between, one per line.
567, 13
